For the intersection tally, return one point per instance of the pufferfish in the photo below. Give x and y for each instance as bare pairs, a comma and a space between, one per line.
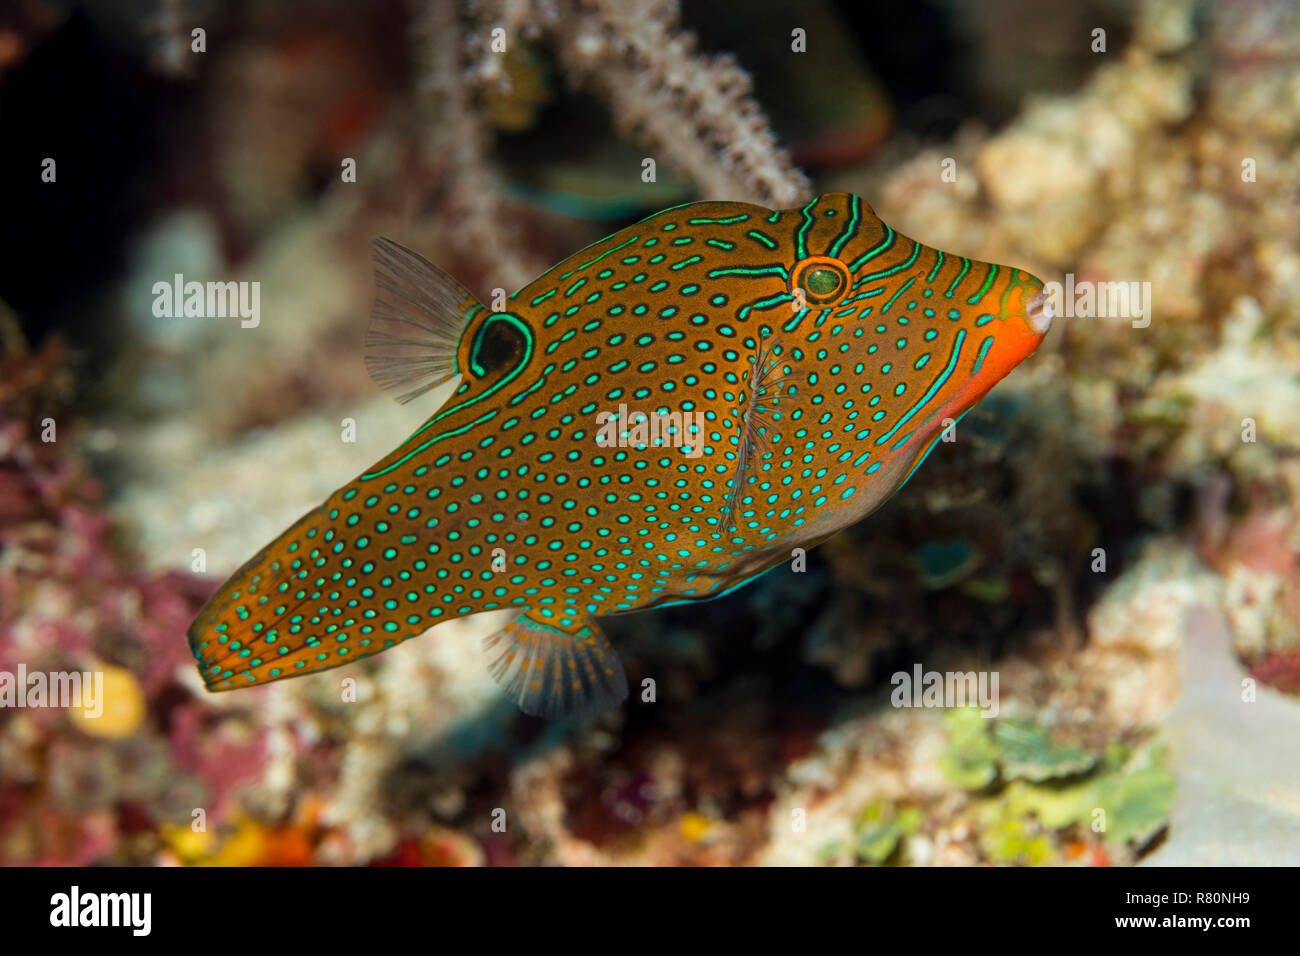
798, 366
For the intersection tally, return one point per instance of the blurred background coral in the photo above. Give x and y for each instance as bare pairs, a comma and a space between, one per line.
1154, 141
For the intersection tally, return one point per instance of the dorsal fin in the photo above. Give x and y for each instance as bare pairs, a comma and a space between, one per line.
416, 322
765, 386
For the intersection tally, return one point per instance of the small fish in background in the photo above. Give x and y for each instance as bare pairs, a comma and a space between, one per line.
821, 352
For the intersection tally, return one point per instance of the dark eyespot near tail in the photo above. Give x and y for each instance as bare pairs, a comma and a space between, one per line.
502, 342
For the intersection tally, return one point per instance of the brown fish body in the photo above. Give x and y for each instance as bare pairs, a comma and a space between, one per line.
657, 419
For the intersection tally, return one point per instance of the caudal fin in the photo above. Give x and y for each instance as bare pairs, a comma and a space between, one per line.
319, 595
296, 607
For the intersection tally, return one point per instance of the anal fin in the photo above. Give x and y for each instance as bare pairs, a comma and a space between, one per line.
555, 672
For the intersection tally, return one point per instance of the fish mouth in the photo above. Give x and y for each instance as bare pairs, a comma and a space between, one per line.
1039, 314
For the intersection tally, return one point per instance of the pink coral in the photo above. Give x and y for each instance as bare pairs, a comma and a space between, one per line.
71, 599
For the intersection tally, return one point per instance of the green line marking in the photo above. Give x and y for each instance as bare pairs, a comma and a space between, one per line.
800, 243
718, 222
931, 391
965, 268
988, 281
901, 290
529, 342
855, 207
590, 261
938, 263
984, 350
776, 270
764, 304
870, 254
898, 268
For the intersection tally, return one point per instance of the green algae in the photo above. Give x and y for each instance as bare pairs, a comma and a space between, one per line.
1032, 793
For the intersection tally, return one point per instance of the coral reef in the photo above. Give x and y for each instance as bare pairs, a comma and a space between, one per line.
1128, 480
76, 788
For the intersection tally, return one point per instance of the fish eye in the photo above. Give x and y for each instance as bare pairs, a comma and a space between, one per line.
823, 281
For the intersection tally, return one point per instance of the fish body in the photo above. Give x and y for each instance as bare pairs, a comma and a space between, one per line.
657, 419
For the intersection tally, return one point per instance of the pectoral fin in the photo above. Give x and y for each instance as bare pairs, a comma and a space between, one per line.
555, 672
765, 385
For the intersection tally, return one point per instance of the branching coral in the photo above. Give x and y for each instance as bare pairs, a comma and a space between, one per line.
459, 141
695, 110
